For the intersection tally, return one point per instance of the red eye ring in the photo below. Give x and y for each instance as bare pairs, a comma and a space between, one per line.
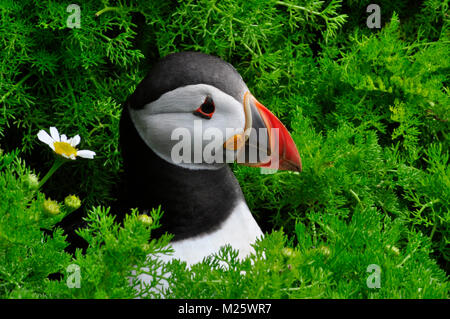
206, 110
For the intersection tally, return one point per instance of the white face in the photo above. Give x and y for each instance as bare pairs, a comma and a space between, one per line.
165, 123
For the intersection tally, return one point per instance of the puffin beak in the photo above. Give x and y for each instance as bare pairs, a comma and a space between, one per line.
265, 136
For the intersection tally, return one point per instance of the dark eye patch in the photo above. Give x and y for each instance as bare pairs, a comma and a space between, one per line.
206, 110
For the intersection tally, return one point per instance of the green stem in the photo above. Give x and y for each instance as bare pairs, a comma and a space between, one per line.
289, 5
56, 164
433, 230
357, 198
106, 9
404, 260
222, 12
425, 43
430, 203
15, 87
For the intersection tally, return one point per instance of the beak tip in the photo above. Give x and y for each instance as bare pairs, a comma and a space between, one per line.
289, 165
299, 165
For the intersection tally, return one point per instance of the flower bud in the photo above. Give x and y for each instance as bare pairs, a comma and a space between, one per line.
325, 250
51, 207
145, 219
277, 268
32, 181
288, 252
72, 202
394, 250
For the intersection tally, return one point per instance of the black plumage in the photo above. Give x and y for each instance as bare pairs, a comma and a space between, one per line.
193, 201
187, 68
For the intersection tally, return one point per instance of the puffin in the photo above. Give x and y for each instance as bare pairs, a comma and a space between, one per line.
202, 101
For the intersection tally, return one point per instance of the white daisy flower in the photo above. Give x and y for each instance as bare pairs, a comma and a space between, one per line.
63, 146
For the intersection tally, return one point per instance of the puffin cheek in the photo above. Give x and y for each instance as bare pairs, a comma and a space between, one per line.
161, 132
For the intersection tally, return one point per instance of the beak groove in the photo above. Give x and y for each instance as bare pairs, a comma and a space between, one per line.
279, 145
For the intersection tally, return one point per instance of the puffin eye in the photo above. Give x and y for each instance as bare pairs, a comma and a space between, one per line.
206, 110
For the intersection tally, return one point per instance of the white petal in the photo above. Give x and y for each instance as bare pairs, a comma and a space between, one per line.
63, 138
86, 154
74, 141
54, 133
47, 139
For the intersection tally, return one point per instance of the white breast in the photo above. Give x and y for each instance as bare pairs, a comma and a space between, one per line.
239, 230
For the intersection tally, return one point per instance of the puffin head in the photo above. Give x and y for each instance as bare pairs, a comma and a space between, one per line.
195, 111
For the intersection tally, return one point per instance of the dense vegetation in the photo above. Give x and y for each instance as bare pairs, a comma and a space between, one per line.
367, 108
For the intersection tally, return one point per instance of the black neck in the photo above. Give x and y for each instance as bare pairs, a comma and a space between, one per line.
193, 201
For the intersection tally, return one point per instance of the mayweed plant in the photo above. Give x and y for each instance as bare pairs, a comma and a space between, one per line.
367, 105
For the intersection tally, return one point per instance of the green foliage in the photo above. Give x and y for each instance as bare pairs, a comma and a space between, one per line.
32, 246
329, 260
382, 110
27, 254
368, 110
335, 267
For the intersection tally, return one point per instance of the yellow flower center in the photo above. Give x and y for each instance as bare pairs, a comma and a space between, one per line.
64, 148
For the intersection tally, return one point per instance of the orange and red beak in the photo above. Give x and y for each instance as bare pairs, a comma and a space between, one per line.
268, 137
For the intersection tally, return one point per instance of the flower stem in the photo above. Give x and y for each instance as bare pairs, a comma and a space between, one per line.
56, 164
